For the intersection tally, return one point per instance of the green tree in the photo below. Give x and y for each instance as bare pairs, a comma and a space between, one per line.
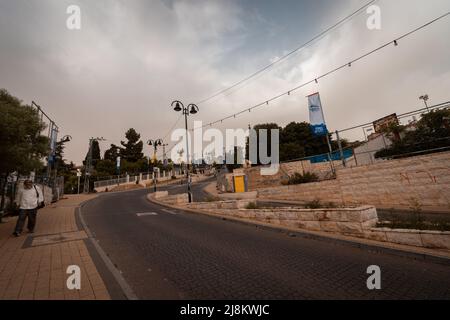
291, 151
296, 141
266, 126
394, 131
432, 131
95, 153
132, 148
65, 170
22, 147
105, 168
112, 153
298, 137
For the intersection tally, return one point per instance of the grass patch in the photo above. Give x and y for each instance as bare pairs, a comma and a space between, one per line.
317, 204
298, 178
415, 225
211, 198
414, 219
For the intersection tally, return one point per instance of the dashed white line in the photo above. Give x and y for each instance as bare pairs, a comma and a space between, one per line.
143, 214
168, 211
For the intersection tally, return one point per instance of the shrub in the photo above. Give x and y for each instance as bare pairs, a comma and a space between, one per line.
211, 198
431, 134
298, 178
315, 204
251, 205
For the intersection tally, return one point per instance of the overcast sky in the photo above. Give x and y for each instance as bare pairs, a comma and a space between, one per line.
132, 58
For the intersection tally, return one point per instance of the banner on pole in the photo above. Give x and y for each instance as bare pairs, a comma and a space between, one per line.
53, 138
316, 118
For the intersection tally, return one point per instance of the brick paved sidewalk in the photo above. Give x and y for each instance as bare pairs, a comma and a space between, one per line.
34, 266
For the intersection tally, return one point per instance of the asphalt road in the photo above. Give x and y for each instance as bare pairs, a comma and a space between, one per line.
170, 254
196, 188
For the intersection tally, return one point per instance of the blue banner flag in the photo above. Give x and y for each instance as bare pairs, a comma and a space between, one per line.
316, 118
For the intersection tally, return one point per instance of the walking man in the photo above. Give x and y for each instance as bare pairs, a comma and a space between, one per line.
28, 199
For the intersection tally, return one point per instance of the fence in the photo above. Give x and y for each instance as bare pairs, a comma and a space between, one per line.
325, 165
135, 178
364, 153
53, 190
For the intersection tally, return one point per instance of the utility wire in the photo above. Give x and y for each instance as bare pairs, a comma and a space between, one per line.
167, 134
286, 56
170, 130
315, 80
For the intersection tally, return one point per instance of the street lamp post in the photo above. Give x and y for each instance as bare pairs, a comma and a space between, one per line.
425, 99
118, 159
155, 144
190, 109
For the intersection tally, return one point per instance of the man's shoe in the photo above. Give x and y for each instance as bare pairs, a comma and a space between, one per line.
16, 234
31, 231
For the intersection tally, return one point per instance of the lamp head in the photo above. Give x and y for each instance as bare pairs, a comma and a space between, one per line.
177, 107
194, 109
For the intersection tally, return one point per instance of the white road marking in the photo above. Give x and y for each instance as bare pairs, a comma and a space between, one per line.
143, 214
168, 211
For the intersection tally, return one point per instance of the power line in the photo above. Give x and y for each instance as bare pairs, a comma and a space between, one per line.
170, 130
286, 56
315, 80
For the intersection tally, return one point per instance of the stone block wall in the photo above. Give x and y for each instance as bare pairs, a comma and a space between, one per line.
422, 181
256, 180
352, 221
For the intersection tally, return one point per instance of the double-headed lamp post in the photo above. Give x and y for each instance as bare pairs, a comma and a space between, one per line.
190, 109
155, 144
425, 99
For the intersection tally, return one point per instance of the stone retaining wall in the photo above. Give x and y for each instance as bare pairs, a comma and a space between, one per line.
418, 238
256, 180
358, 222
340, 220
422, 181
176, 199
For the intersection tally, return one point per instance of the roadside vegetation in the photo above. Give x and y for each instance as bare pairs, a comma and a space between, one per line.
431, 132
298, 178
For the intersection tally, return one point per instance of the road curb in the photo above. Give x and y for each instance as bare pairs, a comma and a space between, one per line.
115, 273
311, 235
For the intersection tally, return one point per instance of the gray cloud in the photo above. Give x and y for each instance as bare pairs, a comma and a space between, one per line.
132, 58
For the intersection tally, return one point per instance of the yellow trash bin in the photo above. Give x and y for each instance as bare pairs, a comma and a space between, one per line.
239, 184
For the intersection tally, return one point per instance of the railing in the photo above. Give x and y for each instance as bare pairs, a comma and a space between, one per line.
132, 179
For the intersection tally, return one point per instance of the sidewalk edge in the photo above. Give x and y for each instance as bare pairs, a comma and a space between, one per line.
126, 289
